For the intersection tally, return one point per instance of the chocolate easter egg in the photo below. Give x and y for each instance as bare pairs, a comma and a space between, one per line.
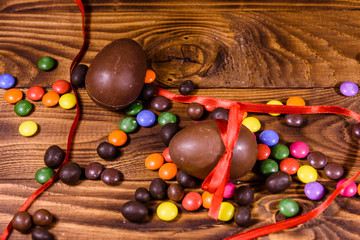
116, 74
197, 148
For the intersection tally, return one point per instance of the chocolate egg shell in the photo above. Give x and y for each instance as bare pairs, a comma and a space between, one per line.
116, 74
197, 148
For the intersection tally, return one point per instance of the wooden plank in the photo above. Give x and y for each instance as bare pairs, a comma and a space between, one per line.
240, 50
226, 47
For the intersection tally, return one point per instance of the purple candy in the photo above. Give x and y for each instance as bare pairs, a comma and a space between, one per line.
314, 190
349, 89
229, 190
299, 149
349, 191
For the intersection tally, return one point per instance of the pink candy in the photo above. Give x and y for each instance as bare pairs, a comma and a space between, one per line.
299, 149
229, 190
349, 191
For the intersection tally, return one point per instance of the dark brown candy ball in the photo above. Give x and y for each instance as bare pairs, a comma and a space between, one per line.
197, 149
158, 189
160, 103
220, 113
334, 170
147, 92
41, 233
78, 75
70, 173
294, 120
242, 216
317, 159
167, 132
93, 170
278, 182
42, 217
54, 156
243, 196
186, 87
22, 221
116, 75
175, 192
142, 195
195, 111
107, 151
186, 180
134, 211
110, 176
356, 130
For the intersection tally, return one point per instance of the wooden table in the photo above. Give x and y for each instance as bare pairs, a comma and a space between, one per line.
240, 50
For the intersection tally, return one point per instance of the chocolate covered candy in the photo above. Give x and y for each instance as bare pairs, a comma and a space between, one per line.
197, 148
116, 75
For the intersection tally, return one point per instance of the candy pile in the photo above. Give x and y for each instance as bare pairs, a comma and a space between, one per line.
23, 108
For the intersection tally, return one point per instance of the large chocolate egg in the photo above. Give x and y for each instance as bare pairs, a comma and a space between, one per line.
117, 74
197, 148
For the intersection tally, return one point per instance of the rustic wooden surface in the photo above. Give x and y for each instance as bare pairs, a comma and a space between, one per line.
241, 50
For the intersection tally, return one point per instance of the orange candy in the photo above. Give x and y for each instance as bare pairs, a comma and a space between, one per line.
168, 171
50, 99
207, 198
117, 138
13, 95
154, 161
150, 76
166, 155
295, 101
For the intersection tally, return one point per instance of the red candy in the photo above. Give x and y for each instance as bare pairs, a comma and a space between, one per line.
192, 201
61, 86
166, 155
289, 165
35, 93
263, 151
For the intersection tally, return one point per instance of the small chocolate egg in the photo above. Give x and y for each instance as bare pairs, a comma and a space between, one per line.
167, 132
187, 181
116, 74
142, 195
197, 149
158, 189
278, 182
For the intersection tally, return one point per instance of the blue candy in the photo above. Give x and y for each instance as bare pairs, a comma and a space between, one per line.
146, 118
269, 137
6, 81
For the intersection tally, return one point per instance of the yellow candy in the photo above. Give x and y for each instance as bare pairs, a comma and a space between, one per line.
274, 102
167, 211
252, 123
307, 174
227, 211
67, 101
28, 128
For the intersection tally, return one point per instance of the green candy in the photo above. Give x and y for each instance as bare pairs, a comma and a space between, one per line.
280, 151
46, 63
23, 108
288, 207
134, 109
268, 167
44, 174
166, 117
128, 124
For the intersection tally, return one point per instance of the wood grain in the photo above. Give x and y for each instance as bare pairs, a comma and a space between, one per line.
250, 51
226, 47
